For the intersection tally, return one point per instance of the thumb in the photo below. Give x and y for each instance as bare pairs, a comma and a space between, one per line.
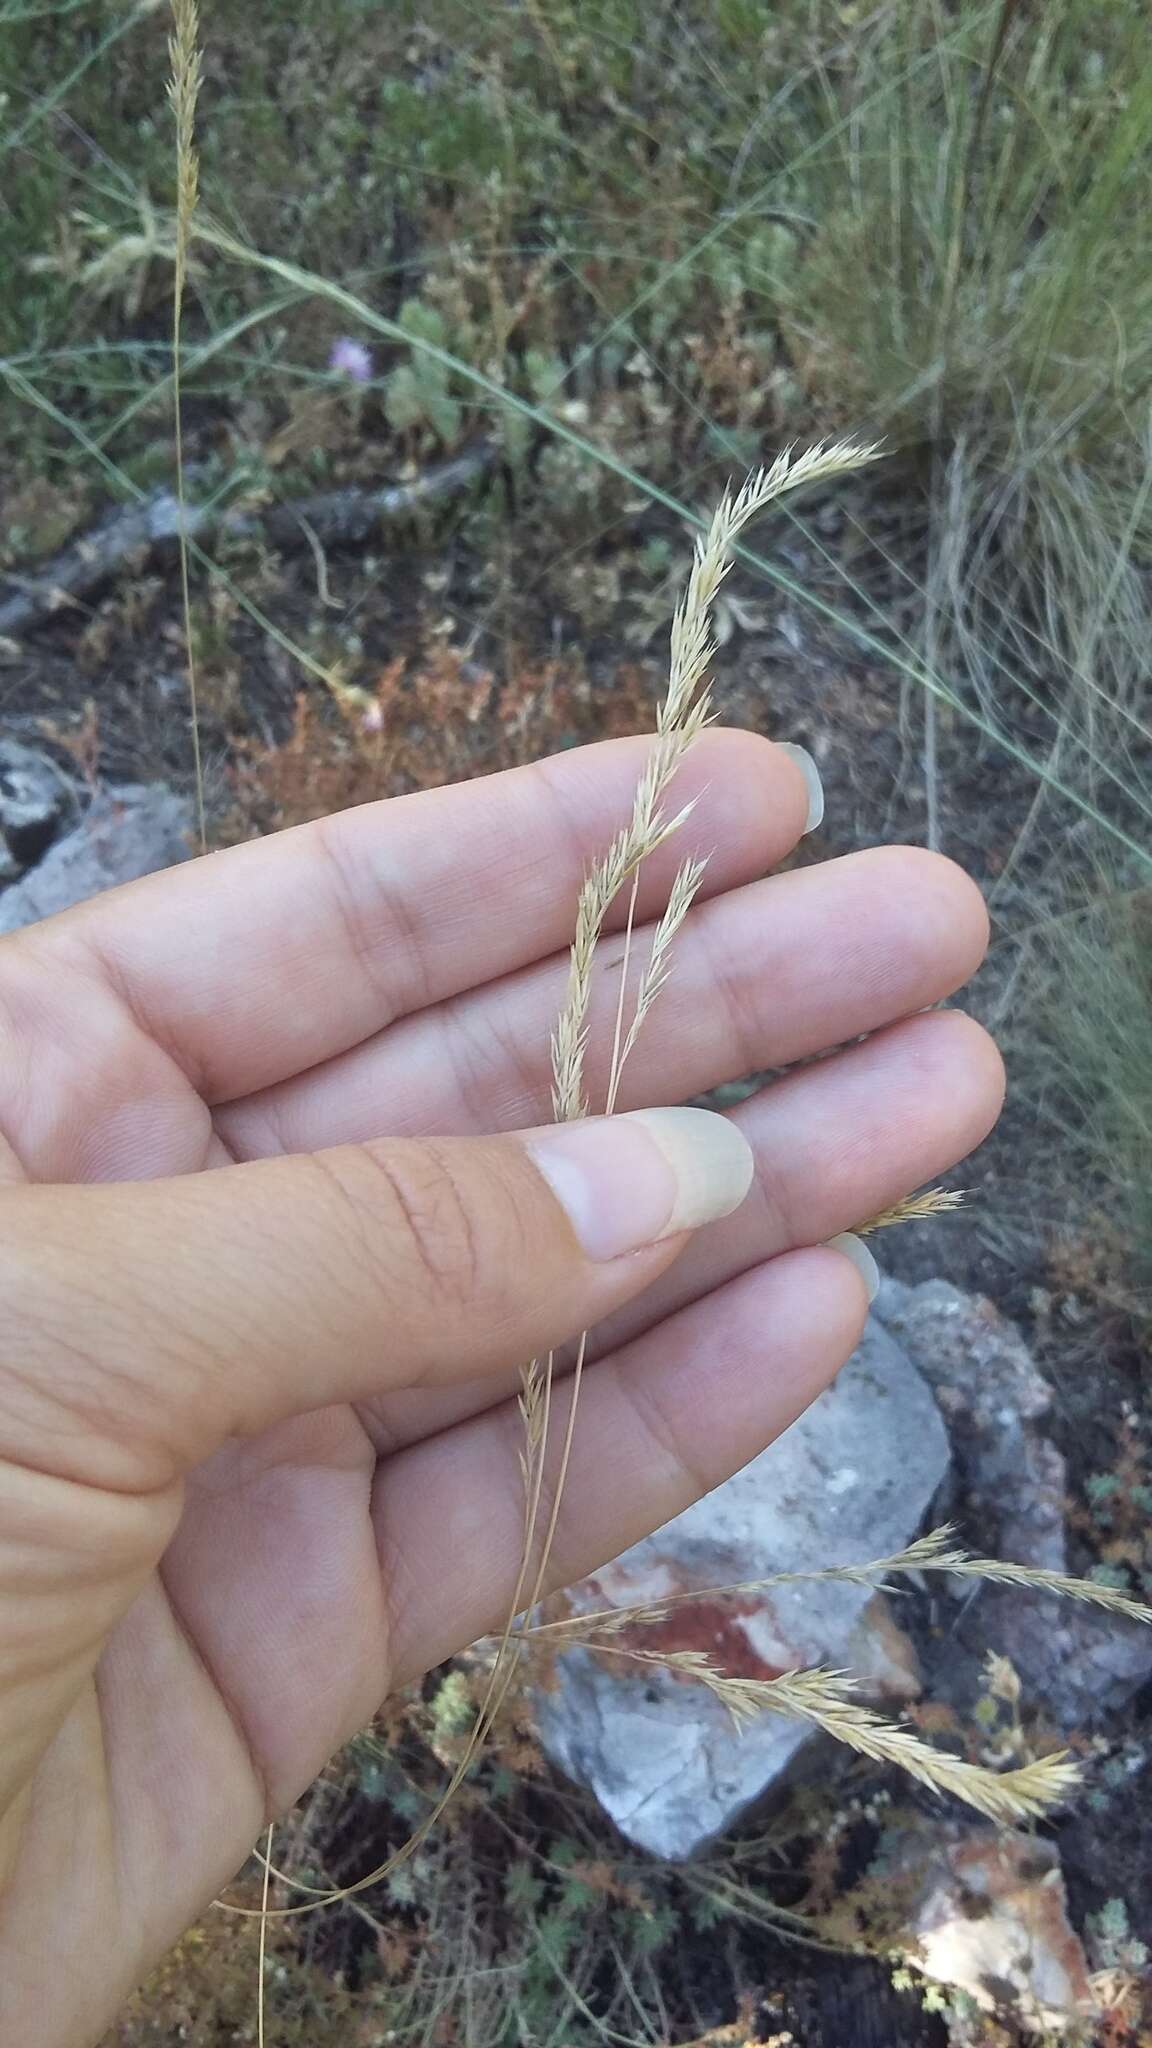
149, 1321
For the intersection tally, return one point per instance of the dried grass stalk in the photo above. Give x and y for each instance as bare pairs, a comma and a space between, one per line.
684, 712
930, 1553
682, 715
183, 95
827, 1700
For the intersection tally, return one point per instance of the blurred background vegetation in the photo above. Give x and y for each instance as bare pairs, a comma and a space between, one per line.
624, 249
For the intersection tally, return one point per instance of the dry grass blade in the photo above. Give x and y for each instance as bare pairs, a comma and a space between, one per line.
826, 1699
184, 94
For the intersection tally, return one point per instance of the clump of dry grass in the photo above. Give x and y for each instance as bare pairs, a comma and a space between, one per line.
417, 723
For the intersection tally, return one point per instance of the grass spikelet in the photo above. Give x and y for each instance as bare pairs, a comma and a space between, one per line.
658, 967
1091, 1592
933, 1202
827, 1700
929, 1553
183, 95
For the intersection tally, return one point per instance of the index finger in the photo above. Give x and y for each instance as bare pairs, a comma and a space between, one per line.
251, 965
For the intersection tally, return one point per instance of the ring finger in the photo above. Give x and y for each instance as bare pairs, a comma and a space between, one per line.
834, 1144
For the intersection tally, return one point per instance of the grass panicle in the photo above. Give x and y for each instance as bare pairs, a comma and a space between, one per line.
914, 1209
933, 1552
827, 1699
682, 715
685, 710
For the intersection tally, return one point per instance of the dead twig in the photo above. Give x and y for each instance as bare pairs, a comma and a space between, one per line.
130, 535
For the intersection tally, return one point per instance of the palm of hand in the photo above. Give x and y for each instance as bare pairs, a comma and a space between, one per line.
370, 977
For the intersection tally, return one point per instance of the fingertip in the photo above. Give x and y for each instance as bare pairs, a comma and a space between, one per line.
768, 794
822, 1311
969, 908
813, 784
951, 911
954, 1053
859, 1257
983, 1062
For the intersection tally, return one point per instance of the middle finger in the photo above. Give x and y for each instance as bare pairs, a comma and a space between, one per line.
834, 1143
762, 976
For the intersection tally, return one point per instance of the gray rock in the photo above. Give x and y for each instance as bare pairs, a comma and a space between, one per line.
1077, 1662
848, 1482
127, 831
34, 796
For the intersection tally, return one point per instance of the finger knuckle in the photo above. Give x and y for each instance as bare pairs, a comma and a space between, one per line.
434, 1236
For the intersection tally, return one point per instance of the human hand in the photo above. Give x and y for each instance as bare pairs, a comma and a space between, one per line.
266, 1291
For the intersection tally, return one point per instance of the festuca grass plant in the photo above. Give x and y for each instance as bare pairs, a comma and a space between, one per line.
1082, 1029
976, 286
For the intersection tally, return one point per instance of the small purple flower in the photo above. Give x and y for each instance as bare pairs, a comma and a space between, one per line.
350, 358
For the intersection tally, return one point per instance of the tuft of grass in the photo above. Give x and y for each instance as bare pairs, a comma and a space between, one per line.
1086, 1013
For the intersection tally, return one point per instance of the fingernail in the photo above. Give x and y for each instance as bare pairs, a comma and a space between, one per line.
629, 1181
811, 774
854, 1248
